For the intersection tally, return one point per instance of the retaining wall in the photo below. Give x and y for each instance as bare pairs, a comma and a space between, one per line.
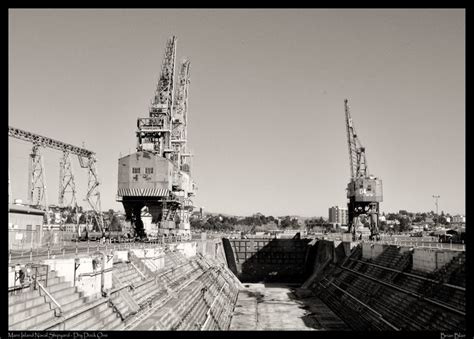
87, 276
429, 260
254, 260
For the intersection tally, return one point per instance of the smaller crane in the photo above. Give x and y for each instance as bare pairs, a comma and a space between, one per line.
364, 191
37, 186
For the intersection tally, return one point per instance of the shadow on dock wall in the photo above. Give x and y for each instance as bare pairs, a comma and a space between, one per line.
270, 260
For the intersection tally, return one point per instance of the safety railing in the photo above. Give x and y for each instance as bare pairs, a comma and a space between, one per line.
76, 248
27, 276
209, 311
72, 315
58, 310
93, 274
420, 244
136, 269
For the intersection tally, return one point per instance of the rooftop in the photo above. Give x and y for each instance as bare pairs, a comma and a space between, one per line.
24, 209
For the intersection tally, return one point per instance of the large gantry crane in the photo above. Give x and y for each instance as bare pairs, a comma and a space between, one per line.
37, 185
364, 191
157, 176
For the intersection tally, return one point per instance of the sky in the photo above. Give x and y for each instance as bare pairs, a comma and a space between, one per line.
266, 100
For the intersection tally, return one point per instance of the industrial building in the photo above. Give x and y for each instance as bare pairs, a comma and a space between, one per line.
25, 226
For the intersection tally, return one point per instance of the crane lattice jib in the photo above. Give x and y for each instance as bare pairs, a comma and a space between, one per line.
48, 142
181, 103
164, 92
357, 159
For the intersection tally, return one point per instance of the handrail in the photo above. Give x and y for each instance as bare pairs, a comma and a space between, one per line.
136, 269
118, 289
41, 252
19, 287
92, 274
144, 282
150, 261
408, 274
50, 297
115, 308
172, 269
208, 313
81, 311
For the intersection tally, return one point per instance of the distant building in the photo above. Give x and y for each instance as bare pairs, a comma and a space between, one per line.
458, 219
338, 215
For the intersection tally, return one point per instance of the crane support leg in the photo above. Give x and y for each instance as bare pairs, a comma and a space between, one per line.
66, 182
374, 221
93, 194
37, 182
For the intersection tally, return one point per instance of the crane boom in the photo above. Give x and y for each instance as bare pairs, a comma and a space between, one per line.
154, 133
165, 88
179, 132
181, 98
48, 142
357, 159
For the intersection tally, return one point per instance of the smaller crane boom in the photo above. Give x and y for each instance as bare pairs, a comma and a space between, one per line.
358, 161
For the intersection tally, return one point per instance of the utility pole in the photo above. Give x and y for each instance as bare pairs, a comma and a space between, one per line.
436, 197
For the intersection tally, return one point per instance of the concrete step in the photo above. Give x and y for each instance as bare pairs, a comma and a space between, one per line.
31, 322
137, 279
108, 316
132, 276
121, 267
68, 298
67, 290
124, 276
28, 313
144, 291
83, 320
65, 299
125, 270
111, 322
22, 305
58, 287
73, 304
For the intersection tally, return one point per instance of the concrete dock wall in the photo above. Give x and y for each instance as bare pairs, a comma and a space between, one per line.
255, 260
429, 260
85, 272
